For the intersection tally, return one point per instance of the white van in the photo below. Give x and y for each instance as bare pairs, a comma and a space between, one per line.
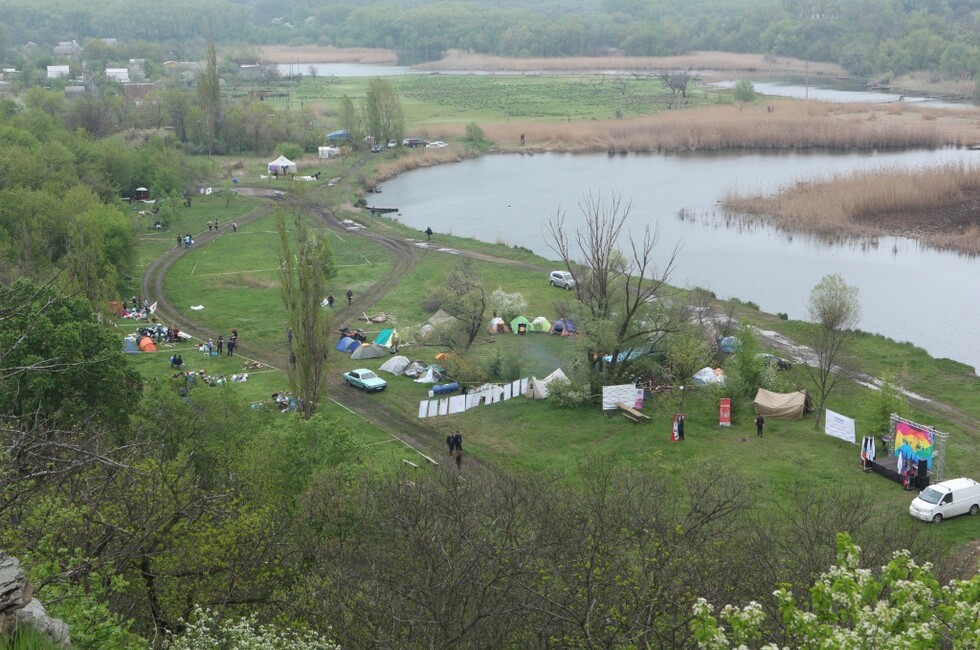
947, 499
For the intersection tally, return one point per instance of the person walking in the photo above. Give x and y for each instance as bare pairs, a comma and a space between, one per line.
330, 301
234, 226
759, 423
289, 337
350, 296
428, 233
458, 442
451, 443
232, 344
180, 241
221, 344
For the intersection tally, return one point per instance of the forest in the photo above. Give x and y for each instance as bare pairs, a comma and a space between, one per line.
869, 38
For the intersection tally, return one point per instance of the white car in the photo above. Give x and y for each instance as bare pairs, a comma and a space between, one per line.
562, 279
438, 144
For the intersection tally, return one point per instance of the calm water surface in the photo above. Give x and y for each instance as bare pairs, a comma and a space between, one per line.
907, 292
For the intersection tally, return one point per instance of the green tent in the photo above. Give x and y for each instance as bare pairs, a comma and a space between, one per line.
517, 323
540, 324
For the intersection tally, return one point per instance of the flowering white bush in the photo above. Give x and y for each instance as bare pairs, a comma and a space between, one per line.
850, 610
206, 632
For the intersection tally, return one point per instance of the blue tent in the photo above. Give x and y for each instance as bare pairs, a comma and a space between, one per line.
129, 345
338, 136
347, 344
729, 345
563, 326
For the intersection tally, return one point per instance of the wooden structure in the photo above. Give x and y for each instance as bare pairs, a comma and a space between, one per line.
631, 413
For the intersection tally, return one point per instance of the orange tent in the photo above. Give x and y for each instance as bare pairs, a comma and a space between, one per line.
146, 345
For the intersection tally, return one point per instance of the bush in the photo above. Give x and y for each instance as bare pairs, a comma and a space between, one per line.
565, 394
744, 91
291, 150
474, 134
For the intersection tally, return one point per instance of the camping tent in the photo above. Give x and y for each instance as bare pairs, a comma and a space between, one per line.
282, 165
515, 325
497, 324
328, 152
436, 320
540, 324
145, 344
386, 337
369, 351
129, 345
729, 345
431, 375
414, 369
347, 344
338, 136
783, 406
538, 388
563, 326
395, 365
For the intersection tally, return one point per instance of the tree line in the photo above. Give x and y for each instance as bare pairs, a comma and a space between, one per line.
866, 37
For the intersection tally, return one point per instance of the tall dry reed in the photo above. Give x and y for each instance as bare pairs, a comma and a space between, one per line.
883, 201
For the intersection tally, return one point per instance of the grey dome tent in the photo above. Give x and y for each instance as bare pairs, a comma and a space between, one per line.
368, 351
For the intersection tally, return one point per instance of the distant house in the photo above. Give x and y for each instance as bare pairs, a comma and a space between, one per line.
67, 48
118, 74
58, 72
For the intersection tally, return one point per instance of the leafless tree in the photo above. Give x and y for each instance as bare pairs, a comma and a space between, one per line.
625, 295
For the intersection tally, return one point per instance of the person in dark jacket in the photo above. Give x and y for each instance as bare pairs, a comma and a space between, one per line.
759, 423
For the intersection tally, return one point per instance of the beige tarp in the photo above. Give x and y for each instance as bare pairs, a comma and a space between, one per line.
784, 406
538, 388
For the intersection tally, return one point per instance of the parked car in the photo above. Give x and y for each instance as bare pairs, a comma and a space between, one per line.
392, 144
414, 142
438, 144
947, 499
562, 279
365, 379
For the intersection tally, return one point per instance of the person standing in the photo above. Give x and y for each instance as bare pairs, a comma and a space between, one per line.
428, 233
234, 226
180, 240
289, 337
458, 442
451, 443
680, 428
330, 301
350, 296
232, 344
759, 423
221, 345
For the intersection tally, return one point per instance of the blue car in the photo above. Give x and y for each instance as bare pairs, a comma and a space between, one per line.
365, 379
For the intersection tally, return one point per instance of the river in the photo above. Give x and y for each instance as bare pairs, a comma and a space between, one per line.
907, 292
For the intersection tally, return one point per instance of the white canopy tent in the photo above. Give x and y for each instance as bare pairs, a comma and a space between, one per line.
282, 165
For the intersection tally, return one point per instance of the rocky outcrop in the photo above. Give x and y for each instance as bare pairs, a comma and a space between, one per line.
19, 607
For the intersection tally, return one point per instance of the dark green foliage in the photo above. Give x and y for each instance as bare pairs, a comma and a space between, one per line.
58, 362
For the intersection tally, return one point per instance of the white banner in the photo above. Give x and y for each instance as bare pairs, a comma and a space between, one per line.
625, 393
839, 426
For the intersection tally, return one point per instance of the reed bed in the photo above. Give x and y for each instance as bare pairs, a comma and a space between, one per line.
695, 61
781, 124
937, 205
327, 54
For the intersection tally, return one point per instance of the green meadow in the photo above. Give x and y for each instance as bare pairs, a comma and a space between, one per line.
234, 278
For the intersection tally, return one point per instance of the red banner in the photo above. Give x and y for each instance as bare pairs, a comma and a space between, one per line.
725, 412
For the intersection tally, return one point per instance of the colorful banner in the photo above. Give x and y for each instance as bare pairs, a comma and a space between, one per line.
725, 412
913, 443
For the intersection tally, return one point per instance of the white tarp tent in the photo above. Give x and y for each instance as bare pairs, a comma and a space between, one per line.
538, 388
329, 152
282, 165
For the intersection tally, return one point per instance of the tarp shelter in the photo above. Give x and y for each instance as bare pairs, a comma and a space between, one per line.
707, 376
783, 406
729, 345
431, 375
282, 165
436, 320
347, 344
328, 152
540, 324
338, 136
497, 324
538, 388
145, 344
515, 325
369, 351
564, 327
386, 337
395, 365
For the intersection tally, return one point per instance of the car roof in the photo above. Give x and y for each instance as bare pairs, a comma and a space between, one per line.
955, 484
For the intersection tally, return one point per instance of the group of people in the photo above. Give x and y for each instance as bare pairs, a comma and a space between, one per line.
455, 443
186, 241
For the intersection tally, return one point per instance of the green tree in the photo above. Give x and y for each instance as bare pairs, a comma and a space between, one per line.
887, 397
351, 120
303, 275
383, 112
209, 95
903, 607
463, 296
744, 91
834, 311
